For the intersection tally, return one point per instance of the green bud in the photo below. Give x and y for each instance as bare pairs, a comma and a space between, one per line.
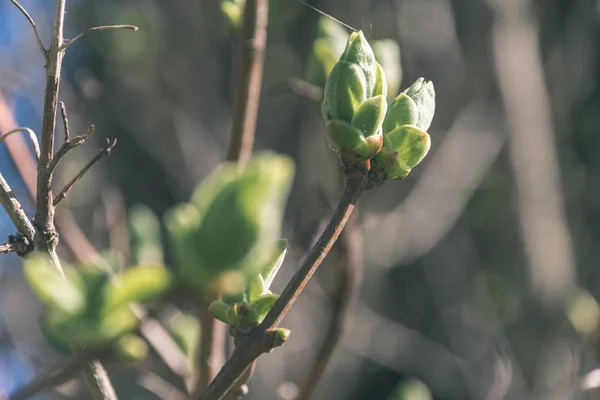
280, 336
345, 90
130, 348
145, 237
402, 150
415, 106
359, 52
220, 310
255, 288
233, 314
423, 94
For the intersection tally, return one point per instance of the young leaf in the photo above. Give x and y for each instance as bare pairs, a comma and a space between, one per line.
272, 268
136, 284
65, 293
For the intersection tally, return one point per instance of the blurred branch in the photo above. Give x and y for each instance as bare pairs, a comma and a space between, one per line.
103, 153
349, 276
532, 150
32, 138
261, 340
69, 144
69, 42
32, 23
250, 55
55, 377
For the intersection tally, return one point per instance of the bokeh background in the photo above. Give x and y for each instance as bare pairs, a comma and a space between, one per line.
480, 273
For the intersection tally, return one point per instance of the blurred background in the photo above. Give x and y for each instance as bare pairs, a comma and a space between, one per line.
479, 271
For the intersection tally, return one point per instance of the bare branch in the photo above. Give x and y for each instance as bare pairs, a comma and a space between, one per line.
65, 118
32, 138
250, 55
349, 271
69, 42
70, 145
103, 153
15, 211
32, 22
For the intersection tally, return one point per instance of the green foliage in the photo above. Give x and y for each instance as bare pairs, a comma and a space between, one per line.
256, 300
405, 140
185, 330
87, 308
144, 231
227, 233
360, 126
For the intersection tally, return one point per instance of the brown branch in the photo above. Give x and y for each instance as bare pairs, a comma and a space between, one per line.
103, 153
15, 211
69, 42
253, 345
69, 145
65, 119
32, 23
349, 276
250, 55
32, 138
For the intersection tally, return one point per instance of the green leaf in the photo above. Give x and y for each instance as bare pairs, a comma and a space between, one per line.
255, 288
91, 332
65, 293
423, 94
185, 330
144, 231
369, 116
402, 111
263, 305
345, 90
272, 268
130, 348
220, 310
136, 284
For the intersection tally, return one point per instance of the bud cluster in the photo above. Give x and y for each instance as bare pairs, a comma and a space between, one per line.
366, 133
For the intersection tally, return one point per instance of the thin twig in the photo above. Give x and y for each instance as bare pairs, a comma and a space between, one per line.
349, 276
32, 138
65, 119
15, 211
69, 42
69, 145
103, 153
252, 346
249, 69
32, 22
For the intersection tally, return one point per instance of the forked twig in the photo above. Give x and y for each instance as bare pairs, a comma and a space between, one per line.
32, 23
103, 153
69, 145
69, 42
32, 138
